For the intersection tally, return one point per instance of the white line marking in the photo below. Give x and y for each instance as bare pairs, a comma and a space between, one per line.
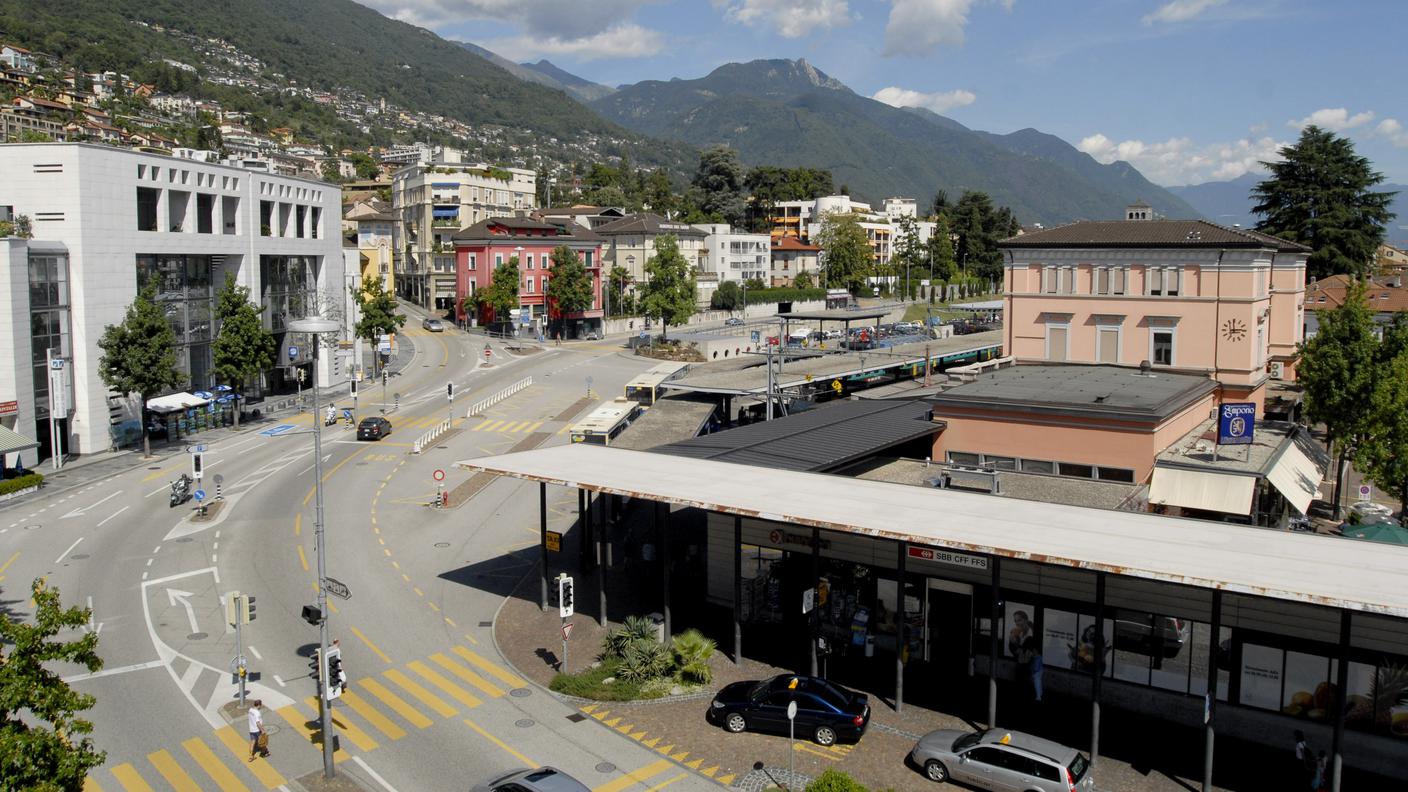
214, 558
110, 516
255, 652
281, 684
69, 550
149, 561
113, 671
84, 510
373, 774
144, 575
215, 546
217, 534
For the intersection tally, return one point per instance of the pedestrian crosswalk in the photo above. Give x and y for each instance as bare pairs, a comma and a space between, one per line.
507, 427
373, 711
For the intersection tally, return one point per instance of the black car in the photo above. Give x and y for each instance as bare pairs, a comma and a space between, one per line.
373, 428
826, 712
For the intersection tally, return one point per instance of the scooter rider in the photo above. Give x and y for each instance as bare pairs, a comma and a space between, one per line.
331, 417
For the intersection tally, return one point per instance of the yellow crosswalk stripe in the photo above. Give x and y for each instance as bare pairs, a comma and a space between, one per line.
346, 727
493, 669
89, 785
481, 424
131, 781
310, 727
172, 772
511, 426
212, 766
494, 426
426, 697
635, 777
532, 428
489, 688
455, 691
372, 715
398, 705
239, 747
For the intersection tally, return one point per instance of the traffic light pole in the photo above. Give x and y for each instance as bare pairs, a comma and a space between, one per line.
324, 705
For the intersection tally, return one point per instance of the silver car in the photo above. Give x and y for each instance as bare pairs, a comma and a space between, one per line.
543, 779
1002, 761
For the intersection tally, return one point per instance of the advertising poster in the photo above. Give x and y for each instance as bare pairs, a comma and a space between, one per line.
1058, 629
1261, 676
1021, 641
1308, 692
1083, 655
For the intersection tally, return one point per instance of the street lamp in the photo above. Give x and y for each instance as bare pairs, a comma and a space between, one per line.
317, 326
518, 254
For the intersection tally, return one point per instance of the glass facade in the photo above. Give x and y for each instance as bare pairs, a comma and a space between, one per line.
184, 292
48, 321
288, 288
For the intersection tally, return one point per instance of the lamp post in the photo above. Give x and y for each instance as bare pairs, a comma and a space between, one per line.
518, 254
317, 326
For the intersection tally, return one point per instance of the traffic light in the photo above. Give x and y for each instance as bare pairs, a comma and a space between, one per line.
385, 376
315, 665
232, 608
450, 390
564, 596
334, 674
247, 608
354, 385
312, 615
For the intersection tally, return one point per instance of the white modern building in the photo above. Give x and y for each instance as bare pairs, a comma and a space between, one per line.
736, 255
108, 221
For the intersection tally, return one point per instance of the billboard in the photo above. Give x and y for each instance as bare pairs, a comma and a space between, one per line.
1236, 423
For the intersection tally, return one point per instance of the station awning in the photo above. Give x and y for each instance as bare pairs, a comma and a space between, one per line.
12, 441
1297, 476
1228, 493
175, 402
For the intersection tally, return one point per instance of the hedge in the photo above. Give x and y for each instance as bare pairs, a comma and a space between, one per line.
756, 296
20, 482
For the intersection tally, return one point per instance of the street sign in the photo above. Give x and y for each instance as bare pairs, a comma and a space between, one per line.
56, 363
292, 352
566, 630
808, 600
199, 495
336, 588
757, 336
1365, 492
218, 479
791, 710
836, 385
439, 475
198, 448
554, 541
1236, 423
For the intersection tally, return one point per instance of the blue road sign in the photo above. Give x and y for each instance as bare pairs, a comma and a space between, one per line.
1236, 423
199, 495
292, 352
757, 336
275, 431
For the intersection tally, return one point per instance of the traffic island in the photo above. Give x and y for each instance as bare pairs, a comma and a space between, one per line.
207, 512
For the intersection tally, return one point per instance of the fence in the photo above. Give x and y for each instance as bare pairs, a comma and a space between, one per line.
429, 437
484, 404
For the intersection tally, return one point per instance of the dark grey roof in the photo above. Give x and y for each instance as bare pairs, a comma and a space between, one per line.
817, 440
1096, 391
835, 315
648, 224
672, 419
516, 228
1149, 234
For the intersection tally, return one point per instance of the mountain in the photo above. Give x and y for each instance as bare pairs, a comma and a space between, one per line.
324, 45
789, 113
1229, 202
543, 73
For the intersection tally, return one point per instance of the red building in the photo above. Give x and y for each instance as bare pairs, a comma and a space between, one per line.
489, 244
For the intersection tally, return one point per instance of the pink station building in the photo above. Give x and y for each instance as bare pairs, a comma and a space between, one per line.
483, 247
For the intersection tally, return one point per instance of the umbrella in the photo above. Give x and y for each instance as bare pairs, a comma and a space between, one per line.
222, 388
1379, 532
226, 399
207, 395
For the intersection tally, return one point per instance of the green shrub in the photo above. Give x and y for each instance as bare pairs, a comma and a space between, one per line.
835, 781
20, 482
692, 652
636, 628
645, 660
591, 684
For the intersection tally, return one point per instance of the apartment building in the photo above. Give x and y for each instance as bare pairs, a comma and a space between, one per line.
109, 221
736, 255
1184, 295
434, 200
372, 223
489, 244
792, 257
630, 242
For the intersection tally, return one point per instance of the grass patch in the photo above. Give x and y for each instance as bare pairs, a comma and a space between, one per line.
591, 683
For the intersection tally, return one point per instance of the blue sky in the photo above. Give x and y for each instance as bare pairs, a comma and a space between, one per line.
1186, 90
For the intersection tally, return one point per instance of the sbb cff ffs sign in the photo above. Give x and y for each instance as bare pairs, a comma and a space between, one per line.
1236, 423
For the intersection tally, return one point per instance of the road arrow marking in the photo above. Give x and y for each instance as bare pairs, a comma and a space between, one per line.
183, 597
81, 511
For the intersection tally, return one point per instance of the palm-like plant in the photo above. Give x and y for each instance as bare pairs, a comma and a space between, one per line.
645, 660
692, 652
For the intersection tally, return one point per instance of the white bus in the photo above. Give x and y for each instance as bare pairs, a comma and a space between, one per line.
606, 422
645, 388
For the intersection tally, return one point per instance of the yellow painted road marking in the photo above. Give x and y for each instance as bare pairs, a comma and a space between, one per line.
455, 691
496, 741
638, 736
533, 428
172, 772
625, 728
815, 752
710, 771
328, 474
589, 709
298, 524
127, 775
7, 565
681, 756
418, 592
613, 722
354, 732
370, 645
398, 705
302, 558
212, 766
481, 424
490, 668
89, 785
494, 426
665, 749
639, 776
666, 783
238, 746
372, 715
309, 726
426, 697
511, 426
695, 765
725, 780
651, 743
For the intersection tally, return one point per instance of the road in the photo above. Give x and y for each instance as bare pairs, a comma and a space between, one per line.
431, 704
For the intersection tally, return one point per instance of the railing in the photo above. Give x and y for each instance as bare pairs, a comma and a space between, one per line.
484, 404
430, 436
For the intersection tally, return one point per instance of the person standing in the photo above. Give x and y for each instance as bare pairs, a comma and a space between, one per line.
256, 730
1305, 759
1320, 782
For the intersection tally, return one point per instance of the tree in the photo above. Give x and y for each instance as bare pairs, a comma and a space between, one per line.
908, 253
365, 166
242, 348
331, 171
720, 179
618, 301
40, 747
1319, 196
941, 206
1382, 455
728, 297
501, 295
377, 309
975, 225
20, 227
139, 355
1337, 375
847, 259
570, 287
657, 193
802, 281
942, 267
669, 291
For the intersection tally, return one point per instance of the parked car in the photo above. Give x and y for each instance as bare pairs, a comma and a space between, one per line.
826, 712
1369, 512
732, 321
373, 428
543, 779
998, 759
432, 324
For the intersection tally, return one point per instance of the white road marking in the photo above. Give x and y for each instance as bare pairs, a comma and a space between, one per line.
69, 550
174, 596
373, 774
149, 561
110, 516
255, 652
215, 546
114, 671
280, 681
144, 575
80, 512
162, 488
156, 549
227, 449
214, 558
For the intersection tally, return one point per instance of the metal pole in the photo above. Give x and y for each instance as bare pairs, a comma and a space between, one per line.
816, 577
737, 589
329, 738
1341, 681
993, 646
239, 653
598, 535
903, 551
583, 529
1098, 674
662, 527
1210, 702
543, 539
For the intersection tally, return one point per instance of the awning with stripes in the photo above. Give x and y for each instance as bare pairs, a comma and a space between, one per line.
12, 441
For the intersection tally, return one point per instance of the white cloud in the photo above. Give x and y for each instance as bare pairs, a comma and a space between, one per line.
1181, 10
918, 27
790, 18
1392, 131
938, 102
1335, 119
624, 41
1181, 161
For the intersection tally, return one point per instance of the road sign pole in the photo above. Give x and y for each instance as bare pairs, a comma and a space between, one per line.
239, 650
564, 645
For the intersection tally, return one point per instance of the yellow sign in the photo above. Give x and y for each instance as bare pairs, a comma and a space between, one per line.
836, 385
792, 685
554, 541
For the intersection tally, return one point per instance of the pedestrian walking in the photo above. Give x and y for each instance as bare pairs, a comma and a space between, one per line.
258, 740
1320, 782
1305, 759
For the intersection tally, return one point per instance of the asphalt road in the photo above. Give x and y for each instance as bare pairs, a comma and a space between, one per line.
431, 703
